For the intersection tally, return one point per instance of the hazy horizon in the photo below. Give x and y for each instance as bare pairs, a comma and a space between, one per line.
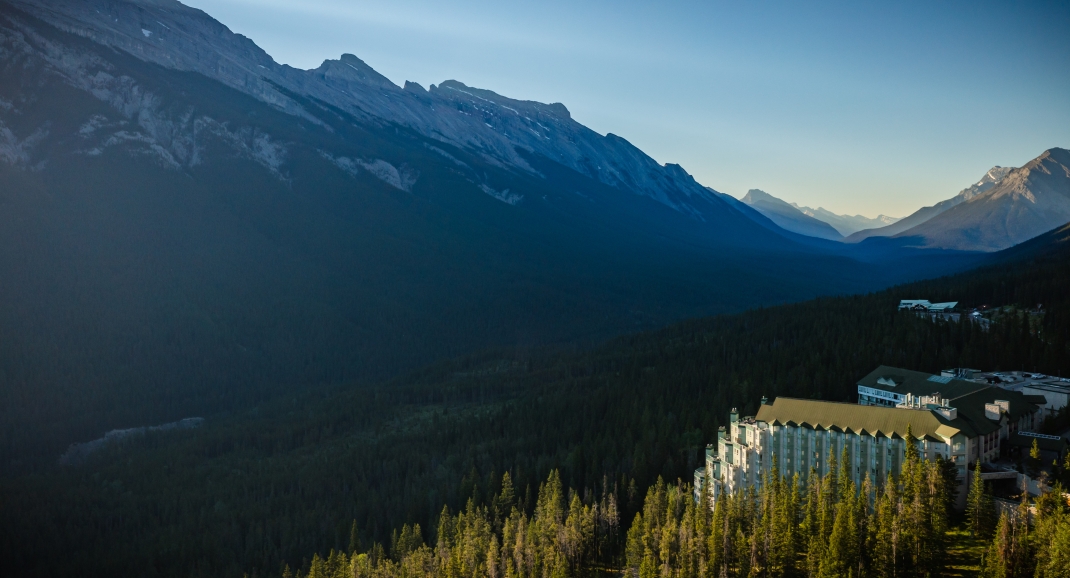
857, 109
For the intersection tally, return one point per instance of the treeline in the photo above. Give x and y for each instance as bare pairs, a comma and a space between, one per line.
564, 536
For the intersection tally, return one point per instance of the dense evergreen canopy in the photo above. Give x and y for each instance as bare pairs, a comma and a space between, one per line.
253, 490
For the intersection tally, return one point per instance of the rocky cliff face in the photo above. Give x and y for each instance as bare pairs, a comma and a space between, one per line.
500, 129
989, 180
1005, 208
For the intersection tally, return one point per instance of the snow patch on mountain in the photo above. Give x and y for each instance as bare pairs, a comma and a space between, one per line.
402, 178
504, 195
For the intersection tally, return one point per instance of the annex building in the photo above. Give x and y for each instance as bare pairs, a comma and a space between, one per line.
954, 419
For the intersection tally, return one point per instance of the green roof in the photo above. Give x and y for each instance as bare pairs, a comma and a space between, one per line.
971, 409
918, 382
857, 419
967, 397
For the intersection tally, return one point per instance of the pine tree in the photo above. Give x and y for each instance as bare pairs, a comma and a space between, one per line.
354, 539
950, 472
979, 506
1033, 463
1052, 534
885, 534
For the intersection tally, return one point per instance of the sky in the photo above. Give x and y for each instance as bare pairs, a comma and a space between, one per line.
859, 107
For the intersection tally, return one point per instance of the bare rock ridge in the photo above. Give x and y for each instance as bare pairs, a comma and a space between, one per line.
503, 130
1004, 211
923, 214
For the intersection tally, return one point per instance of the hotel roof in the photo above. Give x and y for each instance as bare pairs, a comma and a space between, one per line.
859, 419
918, 383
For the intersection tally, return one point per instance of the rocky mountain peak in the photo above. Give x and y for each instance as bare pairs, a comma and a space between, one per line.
790, 217
1008, 206
351, 67
755, 195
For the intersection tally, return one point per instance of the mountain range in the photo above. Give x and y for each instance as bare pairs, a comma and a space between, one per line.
846, 224
189, 227
790, 217
1005, 207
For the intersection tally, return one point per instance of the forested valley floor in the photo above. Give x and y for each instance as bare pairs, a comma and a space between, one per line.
285, 483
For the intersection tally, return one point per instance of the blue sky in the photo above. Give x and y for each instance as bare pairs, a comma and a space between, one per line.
860, 107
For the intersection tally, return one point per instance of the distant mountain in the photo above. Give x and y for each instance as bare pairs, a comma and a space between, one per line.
1025, 203
923, 214
847, 224
789, 217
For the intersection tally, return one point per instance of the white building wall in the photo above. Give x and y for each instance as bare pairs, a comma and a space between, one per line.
753, 447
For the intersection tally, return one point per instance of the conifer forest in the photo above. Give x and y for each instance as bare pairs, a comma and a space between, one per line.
445, 471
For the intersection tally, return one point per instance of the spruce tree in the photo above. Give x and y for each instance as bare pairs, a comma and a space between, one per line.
979, 506
354, 539
1033, 463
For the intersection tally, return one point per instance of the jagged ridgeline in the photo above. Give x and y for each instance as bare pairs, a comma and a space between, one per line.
249, 492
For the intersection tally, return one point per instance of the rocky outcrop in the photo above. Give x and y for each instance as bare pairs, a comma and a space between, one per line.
138, 122
501, 129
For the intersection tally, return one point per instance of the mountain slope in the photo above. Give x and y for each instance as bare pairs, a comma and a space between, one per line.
1026, 202
923, 214
501, 130
789, 217
253, 490
846, 224
182, 236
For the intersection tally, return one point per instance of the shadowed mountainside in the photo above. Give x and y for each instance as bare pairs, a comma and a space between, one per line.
184, 232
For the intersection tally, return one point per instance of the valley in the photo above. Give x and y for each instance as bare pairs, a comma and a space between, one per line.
288, 478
